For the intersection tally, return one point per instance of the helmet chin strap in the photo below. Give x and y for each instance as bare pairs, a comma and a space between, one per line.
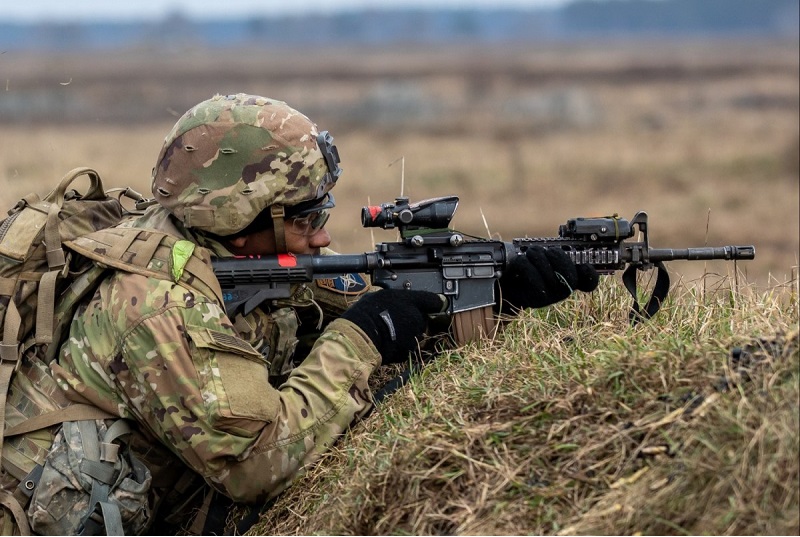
278, 216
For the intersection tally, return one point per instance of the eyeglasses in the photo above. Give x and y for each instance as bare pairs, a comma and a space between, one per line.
309, 217
309, 224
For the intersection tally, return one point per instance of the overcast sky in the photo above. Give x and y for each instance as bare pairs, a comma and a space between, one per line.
32, 10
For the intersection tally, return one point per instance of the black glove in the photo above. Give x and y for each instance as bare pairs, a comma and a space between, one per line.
394, 319
544, 276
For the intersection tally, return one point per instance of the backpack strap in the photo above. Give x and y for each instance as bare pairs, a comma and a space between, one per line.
9, 348
152, 253
99, 465
141, 251
56, 257
10, 344
46, 302
14, 506
73, 412
9, 359
147, 252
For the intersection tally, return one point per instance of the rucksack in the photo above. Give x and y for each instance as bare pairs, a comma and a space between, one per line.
54, 252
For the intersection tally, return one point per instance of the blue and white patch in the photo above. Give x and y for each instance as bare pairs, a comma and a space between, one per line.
346, 284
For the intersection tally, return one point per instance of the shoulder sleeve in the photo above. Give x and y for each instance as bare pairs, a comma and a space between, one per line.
204, 392
172, 361
318, 402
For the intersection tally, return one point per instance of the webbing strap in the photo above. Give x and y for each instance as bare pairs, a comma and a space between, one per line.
9, 349
278, 216
6, 370
109, 451
119, 428
89, 440
122, 244
9, 358
199, 522
99, 495
144, 250
45, 308
75, 412
7, 286
103, 473
660, 291
30, 199
112, 518
28, 276
52, 237
198, 267
205, 273
99, 471
8, 501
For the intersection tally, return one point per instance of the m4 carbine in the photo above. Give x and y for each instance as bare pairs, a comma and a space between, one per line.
430, 256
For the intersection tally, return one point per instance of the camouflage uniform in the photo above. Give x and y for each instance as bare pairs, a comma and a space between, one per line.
152, 351
196, 380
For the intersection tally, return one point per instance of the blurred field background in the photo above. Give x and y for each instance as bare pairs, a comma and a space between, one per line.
700, 133
570, 422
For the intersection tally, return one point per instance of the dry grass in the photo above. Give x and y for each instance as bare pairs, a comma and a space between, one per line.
570, 422
702, 136
574, 423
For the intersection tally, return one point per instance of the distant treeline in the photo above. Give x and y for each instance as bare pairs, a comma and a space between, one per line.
580, 19
682, 17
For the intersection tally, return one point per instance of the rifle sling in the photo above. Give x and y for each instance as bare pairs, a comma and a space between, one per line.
660, 290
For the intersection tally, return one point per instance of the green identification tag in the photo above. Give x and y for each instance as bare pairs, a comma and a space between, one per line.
181, 253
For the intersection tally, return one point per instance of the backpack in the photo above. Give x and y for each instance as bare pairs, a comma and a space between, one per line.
68, 463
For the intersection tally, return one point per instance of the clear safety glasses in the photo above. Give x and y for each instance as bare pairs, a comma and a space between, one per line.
309, 221
309, 224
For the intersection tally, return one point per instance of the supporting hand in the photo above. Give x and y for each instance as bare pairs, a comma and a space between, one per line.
544, 276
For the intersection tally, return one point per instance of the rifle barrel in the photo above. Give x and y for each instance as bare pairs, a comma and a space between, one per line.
704, 253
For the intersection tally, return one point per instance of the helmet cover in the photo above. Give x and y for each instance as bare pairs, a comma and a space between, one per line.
230, 157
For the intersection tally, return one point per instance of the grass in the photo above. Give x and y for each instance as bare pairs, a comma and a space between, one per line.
526, 136
570, 421
573, 422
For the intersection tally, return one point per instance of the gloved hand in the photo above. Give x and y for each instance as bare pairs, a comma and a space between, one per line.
544, 276
394, 319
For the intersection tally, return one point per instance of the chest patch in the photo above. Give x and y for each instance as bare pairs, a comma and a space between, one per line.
346, 284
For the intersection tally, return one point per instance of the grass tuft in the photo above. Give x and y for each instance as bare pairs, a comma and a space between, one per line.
573, 422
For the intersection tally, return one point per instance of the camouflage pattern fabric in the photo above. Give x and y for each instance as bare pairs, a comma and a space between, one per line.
62, 502
229, 158
155, 352
32, 393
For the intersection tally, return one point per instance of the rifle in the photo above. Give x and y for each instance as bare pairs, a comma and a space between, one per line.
431, 256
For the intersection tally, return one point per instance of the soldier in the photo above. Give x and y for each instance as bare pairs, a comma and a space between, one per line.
248, 402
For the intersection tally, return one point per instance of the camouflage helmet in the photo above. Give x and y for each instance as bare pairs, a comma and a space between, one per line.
230, 157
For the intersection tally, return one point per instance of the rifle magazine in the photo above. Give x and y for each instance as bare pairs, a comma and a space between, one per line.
474, 324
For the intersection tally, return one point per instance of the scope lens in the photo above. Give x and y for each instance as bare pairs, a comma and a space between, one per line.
372, 216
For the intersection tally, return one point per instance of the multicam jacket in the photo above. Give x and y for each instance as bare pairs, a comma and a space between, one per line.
199, 382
